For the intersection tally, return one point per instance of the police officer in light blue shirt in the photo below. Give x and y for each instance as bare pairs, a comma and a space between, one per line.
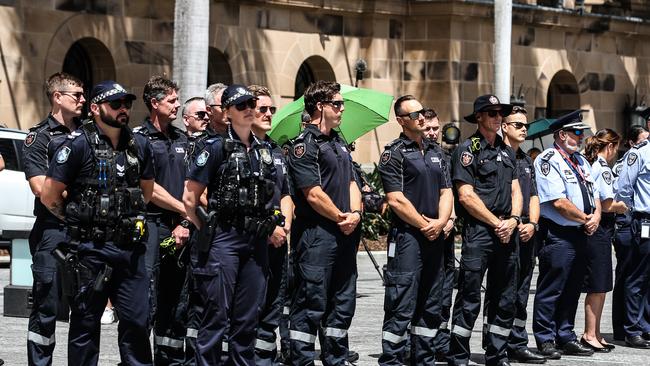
569, 214
634, 190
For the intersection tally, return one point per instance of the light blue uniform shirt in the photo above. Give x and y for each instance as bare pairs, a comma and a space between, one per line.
555, 180
616, 169
603, 179
634, 180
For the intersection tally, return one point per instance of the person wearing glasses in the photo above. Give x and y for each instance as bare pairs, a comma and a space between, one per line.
66, 95
569, 216
195, 115
166, 215
324, 232
416, 180
230, 259
98, 182
484, 172
218, 121
265, 345
514, 129
633, 187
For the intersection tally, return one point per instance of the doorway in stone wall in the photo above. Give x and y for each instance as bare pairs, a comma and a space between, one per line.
219, 70
89, 60
312, 69
563, 95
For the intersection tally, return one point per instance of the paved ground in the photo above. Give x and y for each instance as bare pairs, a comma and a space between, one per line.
364, 336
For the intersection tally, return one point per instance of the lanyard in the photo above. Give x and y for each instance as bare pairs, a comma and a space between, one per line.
587, 185
576, 168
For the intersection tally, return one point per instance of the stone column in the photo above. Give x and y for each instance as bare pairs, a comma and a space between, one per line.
502, 48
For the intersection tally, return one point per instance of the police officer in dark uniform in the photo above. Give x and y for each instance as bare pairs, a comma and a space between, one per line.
165, 216
514, 129
633, 188
229, 258
485, 176
569, 215
323, 238
416, 180
265, 344
66, 96
108, 177
623, 241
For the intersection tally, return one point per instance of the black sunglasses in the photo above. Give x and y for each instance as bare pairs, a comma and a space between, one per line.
335, 103
575, 131
493, 113
251, 103
263, 109
76, 95
117, 104
215, 105
518, 125
414, 115
200, 114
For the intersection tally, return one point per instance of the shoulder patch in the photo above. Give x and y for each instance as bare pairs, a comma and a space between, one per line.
641, 144
631, 158
299, 150
548, 155
202, 158
466, 158
476, 144
63, 155
617, 169
385, 157
545, 167
603, 163
607, 177
30, 138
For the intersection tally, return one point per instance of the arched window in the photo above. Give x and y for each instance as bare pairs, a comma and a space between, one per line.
563, 95
312, 69
219, 70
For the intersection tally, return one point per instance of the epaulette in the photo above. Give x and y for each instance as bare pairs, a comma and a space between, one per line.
213, 140
141, 130
548, 155
198, 134
393, 143
640, 144
74, 134
603, 163
37, 127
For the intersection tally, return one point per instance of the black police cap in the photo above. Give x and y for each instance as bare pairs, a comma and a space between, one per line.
571, 120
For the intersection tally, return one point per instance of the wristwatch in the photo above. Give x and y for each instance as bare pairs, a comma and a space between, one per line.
186, 224
535, 225
517, 218
360, 214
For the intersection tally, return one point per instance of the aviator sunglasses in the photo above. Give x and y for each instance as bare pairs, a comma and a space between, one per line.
117, 104
335, 103
251, 103
264, 109
518, 125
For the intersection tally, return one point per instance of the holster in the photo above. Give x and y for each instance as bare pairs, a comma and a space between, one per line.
208, 228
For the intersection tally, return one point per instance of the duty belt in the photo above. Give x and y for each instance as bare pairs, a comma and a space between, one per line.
641, 215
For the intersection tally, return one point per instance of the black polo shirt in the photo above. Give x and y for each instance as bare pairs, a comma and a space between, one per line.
74, 161
38, 148
489, 169
418, 173
320, 160
526, 180
169, 161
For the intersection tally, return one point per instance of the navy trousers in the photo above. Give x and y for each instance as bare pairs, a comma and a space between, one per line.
623, 250
441, 340
637, 285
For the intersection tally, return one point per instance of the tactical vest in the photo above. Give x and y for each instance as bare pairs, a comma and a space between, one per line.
242, 191
107, 206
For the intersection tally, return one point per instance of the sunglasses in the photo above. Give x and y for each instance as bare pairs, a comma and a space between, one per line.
76, 95
117, 104
518, 125
575, 131
494, 112
335, 103
414, 115
251, 103
200, 114
264, 109
214, 105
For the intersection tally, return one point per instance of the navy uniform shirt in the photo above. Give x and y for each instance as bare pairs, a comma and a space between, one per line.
196, 144
320, 160
634, 180
38, 149
526, 180
169, 161
489, 169
557, 179
281, 174
419, 174
74, 160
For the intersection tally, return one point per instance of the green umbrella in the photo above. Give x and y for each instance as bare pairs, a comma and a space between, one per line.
539, 128
365, 109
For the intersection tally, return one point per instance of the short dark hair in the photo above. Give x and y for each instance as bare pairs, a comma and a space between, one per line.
633, 134
58, 81
320, 91
157, 88
259, 90
398, 104
190, 101
430, 113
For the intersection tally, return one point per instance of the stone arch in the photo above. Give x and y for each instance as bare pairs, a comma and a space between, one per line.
219, 70
312, 69
563, 94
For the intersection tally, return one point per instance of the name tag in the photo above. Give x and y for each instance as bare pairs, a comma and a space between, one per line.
570, 177
180, 150
277, 161
645, 230
391, 249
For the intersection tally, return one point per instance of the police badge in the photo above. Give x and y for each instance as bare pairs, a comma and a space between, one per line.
63, 155
299, 150
607, 177
202, 158
385, 157
631, 159
30, 138
466, 158
266, 156
545, 167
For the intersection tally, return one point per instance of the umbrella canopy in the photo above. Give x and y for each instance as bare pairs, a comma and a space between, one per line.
539, 128
365, 109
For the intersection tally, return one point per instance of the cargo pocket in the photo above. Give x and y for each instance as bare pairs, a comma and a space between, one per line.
43, 278
400, 293
315, 291
470, 273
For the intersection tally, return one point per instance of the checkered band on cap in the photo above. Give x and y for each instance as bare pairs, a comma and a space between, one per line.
239, 92
117, 88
